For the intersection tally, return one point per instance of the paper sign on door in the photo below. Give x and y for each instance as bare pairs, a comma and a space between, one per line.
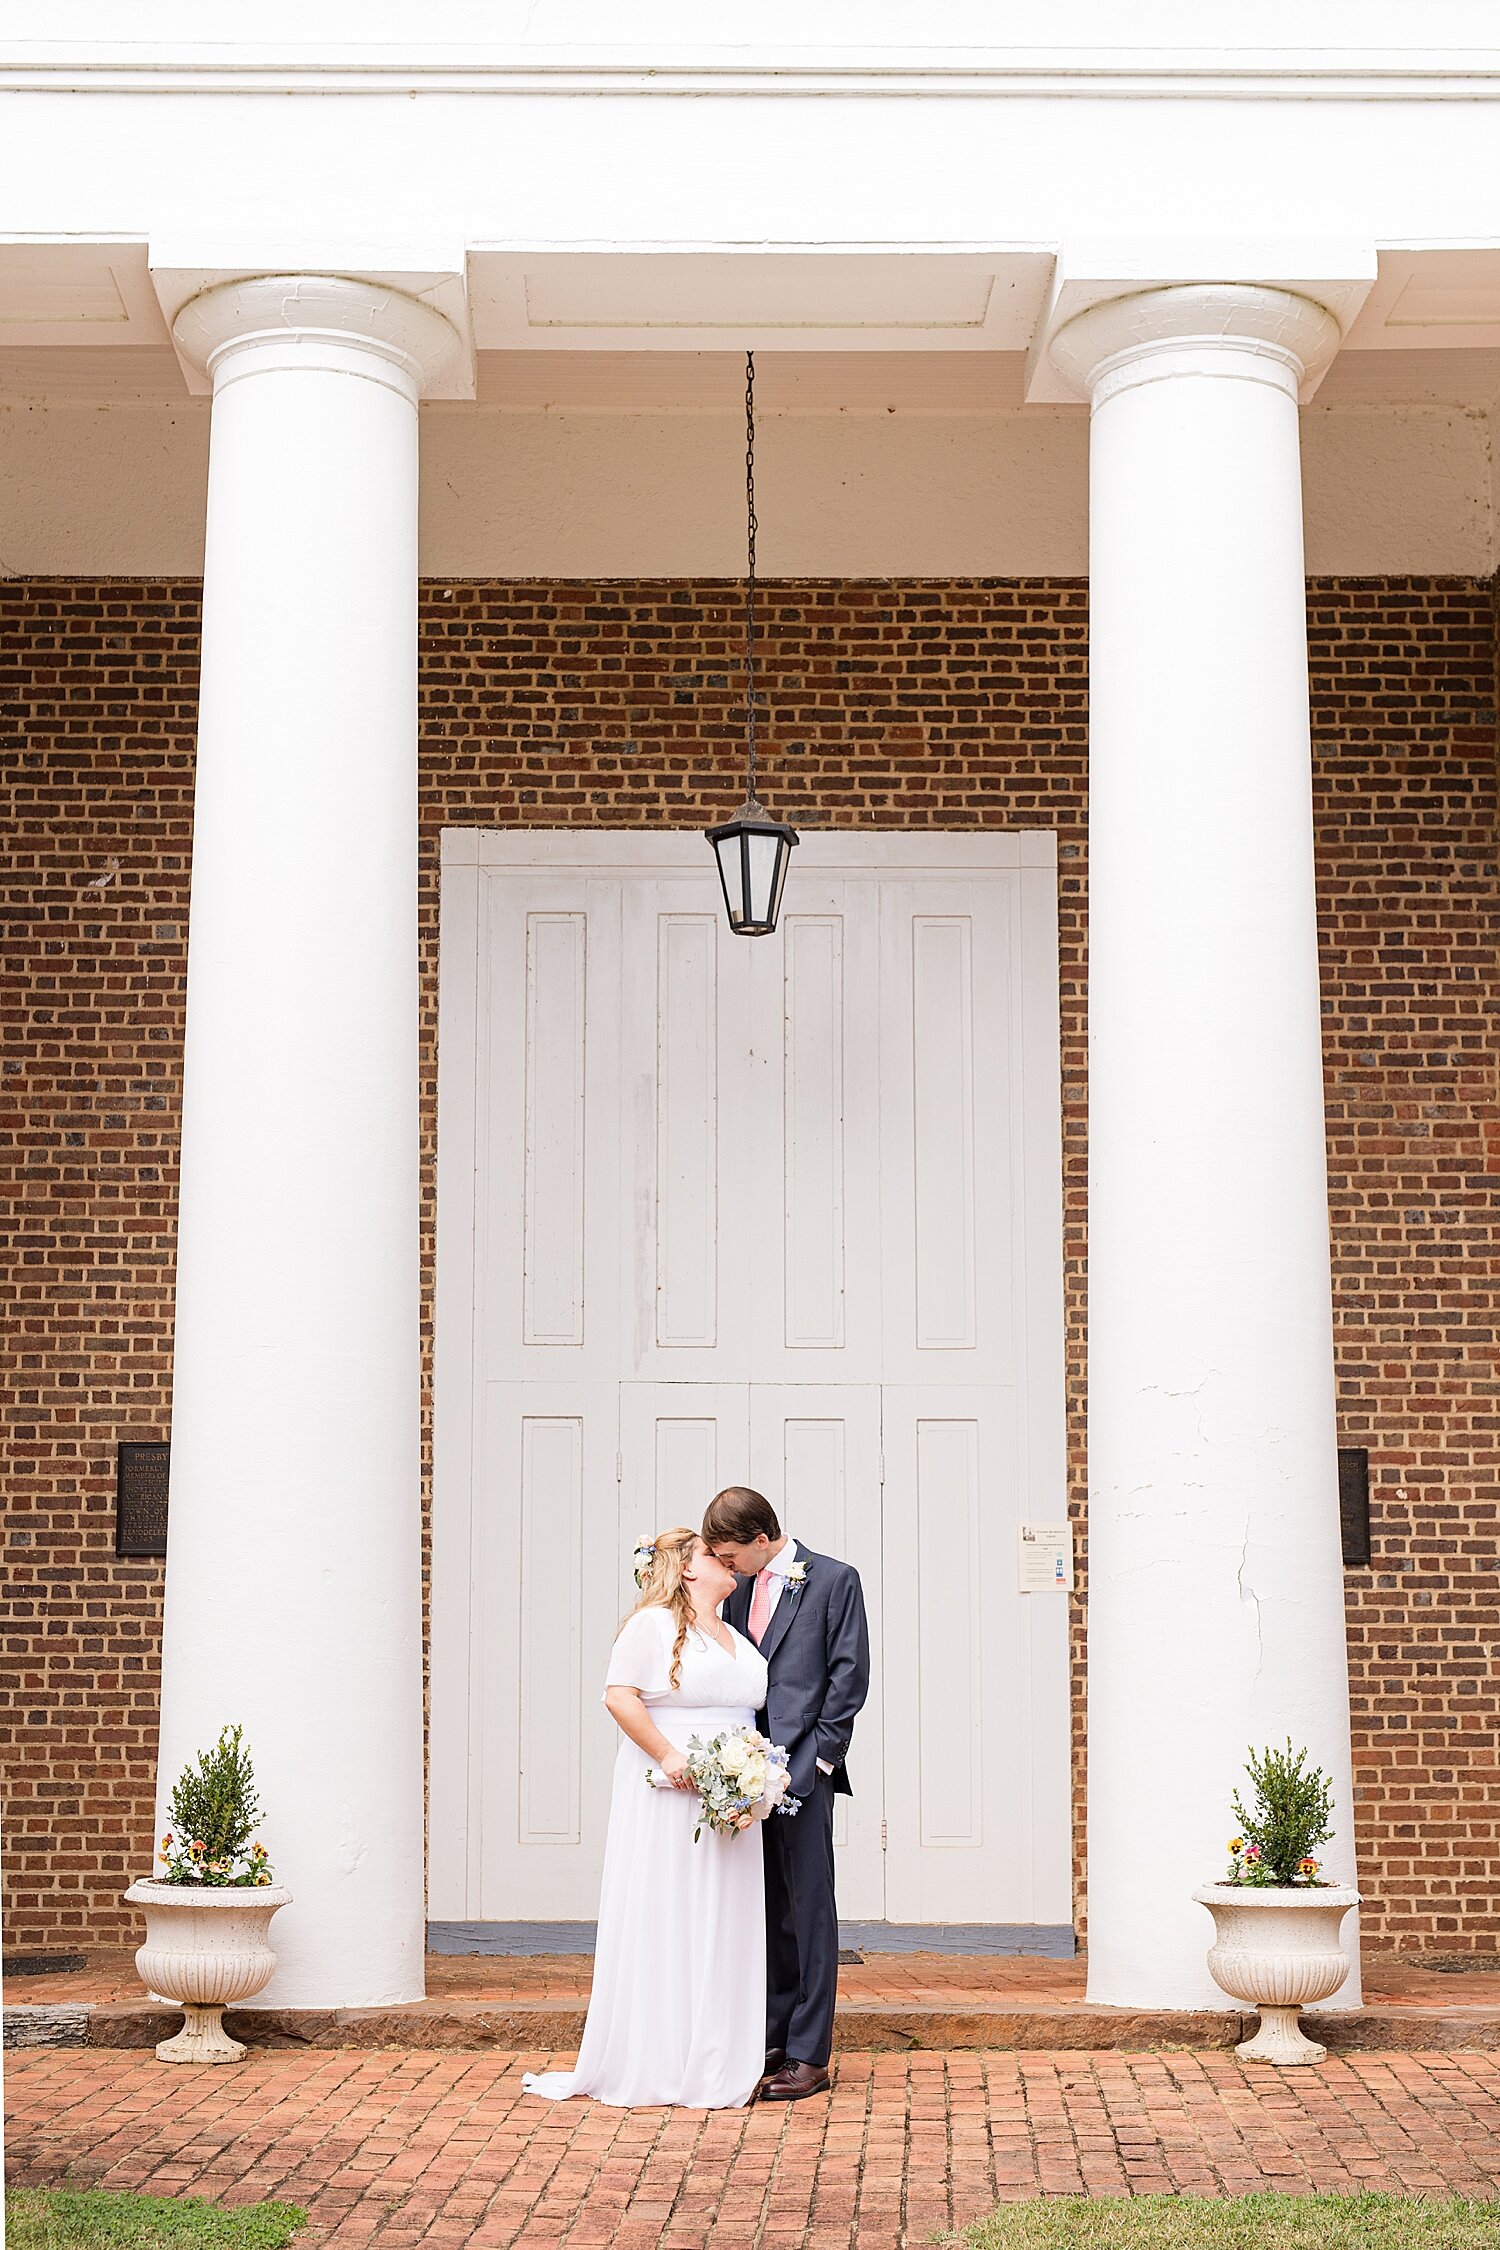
1046, 1558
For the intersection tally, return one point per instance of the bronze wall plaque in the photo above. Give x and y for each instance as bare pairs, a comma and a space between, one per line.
141, 1474
1354, 1504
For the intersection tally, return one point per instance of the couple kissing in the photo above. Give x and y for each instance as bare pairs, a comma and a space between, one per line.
735, 1683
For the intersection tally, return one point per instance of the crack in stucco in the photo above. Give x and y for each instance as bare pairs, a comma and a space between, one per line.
1248, 1595
1188, 1393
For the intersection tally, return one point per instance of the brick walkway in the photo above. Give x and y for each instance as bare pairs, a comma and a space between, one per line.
437, 2150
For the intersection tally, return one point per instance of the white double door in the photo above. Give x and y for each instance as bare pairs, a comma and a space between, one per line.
781, 1212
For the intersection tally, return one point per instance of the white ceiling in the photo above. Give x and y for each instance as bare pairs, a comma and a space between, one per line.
919, 331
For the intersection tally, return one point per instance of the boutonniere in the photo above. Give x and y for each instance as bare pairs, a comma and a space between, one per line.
797, 1575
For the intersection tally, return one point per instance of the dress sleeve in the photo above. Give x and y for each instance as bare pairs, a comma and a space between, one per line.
642, 1655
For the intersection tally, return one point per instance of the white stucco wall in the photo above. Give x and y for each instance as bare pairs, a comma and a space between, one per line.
119, 490
1398, 489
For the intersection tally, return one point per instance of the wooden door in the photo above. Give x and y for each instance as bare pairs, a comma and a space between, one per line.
785, 1212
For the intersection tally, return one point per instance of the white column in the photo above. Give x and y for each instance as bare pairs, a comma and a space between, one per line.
293, 1600
1216, 1600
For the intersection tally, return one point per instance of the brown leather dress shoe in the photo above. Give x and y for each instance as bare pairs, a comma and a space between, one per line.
795, 2081
775, 2057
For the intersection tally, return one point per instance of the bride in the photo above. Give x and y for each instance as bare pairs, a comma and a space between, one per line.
678, 2012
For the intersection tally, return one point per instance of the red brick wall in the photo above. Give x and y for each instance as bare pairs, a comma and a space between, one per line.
1403, 720
918, 704
97, 688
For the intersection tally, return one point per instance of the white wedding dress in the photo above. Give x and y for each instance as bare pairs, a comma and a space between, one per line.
677, 2014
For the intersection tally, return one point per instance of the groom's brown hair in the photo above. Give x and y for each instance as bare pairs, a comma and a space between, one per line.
740, 1516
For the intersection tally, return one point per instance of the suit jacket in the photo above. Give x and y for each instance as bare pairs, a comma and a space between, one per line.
817, 1651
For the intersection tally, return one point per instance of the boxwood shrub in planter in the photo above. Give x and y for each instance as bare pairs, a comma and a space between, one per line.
1276, 1920
208, 1915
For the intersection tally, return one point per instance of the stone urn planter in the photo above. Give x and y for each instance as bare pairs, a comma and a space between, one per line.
205, 1950
1277, 1949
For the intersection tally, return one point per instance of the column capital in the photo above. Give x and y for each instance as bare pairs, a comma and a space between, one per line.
314, 321
1228, 328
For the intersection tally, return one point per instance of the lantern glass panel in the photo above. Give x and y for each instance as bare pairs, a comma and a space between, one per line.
764, 854
731, 868
783, 862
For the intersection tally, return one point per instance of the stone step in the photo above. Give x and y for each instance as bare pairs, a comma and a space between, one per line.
543, 2027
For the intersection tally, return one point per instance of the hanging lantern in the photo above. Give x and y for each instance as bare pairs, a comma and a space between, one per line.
753, 849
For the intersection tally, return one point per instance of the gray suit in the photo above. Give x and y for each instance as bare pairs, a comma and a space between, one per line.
817, 1651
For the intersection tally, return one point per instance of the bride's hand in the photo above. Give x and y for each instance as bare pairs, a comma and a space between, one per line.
674, 1769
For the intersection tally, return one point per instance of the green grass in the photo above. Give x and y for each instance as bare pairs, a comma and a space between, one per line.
78, 2219
1244, 2222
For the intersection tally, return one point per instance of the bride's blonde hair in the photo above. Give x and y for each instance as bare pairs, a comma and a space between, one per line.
660, 1563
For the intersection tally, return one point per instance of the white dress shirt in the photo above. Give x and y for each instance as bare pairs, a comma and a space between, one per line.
776, 1577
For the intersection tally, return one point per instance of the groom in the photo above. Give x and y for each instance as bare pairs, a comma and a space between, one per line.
806, 1613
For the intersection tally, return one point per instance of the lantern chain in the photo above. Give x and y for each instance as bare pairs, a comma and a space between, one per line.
750, 531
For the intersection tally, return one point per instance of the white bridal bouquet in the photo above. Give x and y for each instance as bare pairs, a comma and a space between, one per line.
739, 1777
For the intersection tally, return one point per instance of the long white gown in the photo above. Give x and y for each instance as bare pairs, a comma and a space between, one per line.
677, 2014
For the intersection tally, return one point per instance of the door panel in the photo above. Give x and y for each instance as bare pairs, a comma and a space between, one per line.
812, 1108
680, 1443
546, 1132
951, 1156
680, 997
552, 1293
545, 1607
815, 1454
813, 1177
967, 1657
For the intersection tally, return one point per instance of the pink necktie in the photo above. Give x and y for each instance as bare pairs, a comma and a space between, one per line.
760, 1607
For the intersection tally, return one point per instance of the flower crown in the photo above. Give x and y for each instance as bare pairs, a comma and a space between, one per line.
642, 1557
